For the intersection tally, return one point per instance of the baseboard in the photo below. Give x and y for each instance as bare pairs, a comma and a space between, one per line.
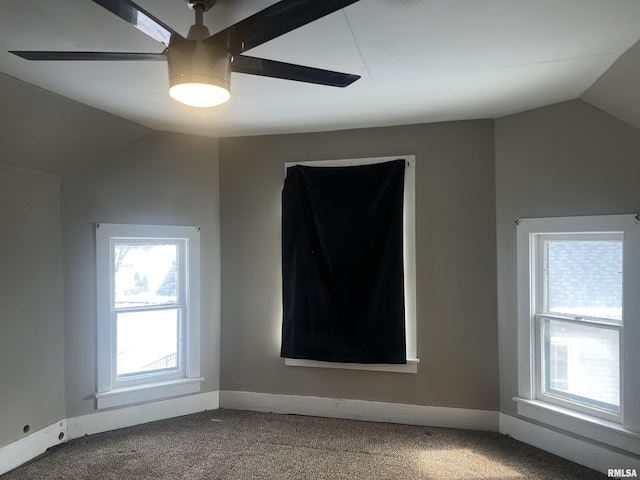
32, 445
579, 451
362, 410
148, 412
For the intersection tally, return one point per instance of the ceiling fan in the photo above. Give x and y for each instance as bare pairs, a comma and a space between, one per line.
200, 65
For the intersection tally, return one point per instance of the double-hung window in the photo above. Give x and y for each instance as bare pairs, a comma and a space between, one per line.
578, 324
578, 321
148, 312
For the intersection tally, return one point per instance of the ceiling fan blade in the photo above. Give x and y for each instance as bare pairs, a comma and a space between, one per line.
99, 56
139, 18
290, 71
273, 21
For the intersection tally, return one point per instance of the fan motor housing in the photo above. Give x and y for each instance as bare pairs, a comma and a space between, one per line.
192, 61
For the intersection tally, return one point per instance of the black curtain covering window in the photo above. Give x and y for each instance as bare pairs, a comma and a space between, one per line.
342, 263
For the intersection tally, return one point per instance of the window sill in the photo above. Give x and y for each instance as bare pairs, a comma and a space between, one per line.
604, 431
148, 392
410, 367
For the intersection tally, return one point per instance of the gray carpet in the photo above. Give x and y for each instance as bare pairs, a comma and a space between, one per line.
239, 445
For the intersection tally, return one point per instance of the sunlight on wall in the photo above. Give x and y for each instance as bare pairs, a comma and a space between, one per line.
276, 328
274, 314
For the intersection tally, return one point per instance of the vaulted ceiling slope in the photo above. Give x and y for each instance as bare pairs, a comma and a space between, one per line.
420, 61
45, 132
617, 92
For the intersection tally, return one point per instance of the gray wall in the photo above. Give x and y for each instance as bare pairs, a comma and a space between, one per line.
456, 293
32, 388
563, 160
163, 178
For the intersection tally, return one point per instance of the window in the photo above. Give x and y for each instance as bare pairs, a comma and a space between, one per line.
578, 324
148, 312
407, 263
579, 320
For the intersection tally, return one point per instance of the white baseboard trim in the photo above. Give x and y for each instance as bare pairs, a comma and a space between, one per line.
471, 419
32, 445
107, 420
579, 451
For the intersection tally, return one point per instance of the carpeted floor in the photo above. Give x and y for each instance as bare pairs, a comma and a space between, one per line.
239, 445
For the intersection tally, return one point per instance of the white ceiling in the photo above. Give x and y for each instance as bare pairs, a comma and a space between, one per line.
420, 61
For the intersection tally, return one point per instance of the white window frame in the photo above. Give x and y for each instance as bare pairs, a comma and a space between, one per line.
111, 391
618, 430
409, 255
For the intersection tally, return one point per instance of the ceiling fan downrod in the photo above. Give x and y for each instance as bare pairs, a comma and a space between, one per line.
200, 7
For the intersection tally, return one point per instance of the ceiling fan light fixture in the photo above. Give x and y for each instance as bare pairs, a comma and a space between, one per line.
199, 73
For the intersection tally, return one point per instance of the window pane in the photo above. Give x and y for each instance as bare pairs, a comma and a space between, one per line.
584, 278
558, 365
145, 274
582, 363
147, 341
